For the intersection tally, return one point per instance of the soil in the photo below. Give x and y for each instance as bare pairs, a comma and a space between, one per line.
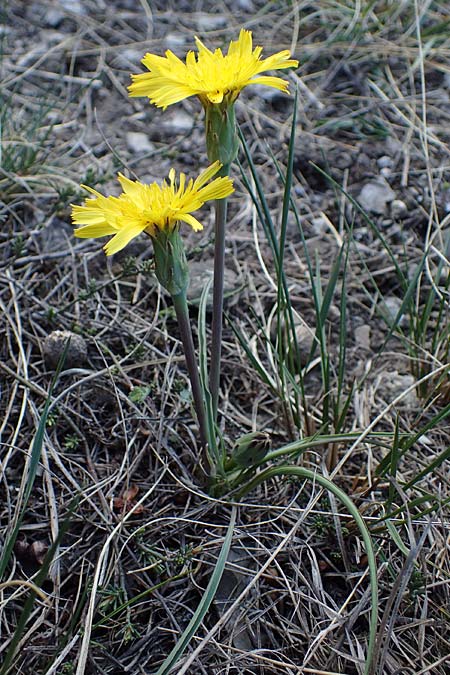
371, 188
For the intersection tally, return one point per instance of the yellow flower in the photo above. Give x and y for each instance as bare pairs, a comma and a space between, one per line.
212, 76
150, 208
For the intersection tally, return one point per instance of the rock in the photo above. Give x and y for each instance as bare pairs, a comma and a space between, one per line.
393, 384
390, 306
362, 337
376, 195
75, 6
175, 41
320, 225
207, 22
129, 58
200, 272
246, 5
305, 339
399, 209
63, 9
54, 344
384, 161
179, 122
138, 141
54, 17
344, 160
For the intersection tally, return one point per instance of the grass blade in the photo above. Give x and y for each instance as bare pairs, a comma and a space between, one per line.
38, 581
35, 455
286, 470
204, 603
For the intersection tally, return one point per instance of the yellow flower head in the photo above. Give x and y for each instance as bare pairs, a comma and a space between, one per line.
212, 76
150, 208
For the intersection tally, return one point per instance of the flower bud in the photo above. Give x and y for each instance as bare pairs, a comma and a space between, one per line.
221, 136
171, 266
251, 448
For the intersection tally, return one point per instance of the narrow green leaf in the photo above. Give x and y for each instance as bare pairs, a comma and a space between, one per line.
38, 581
35, 456
204, 603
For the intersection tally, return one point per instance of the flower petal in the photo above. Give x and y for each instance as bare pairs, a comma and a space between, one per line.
277, 61
122, 238
271, 81
215, 96
218, 189
193, 222
94, 231
134, 189
207, 174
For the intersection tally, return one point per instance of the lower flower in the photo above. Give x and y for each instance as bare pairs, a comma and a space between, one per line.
149, 208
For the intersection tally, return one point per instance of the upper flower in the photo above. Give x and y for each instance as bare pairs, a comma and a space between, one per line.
147, 208
212, 76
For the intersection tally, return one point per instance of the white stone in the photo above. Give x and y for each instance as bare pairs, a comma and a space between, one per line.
74, 6
390, 306
362, 337
174, 41
179, 123
376, 195
137, 141
320, 225
384, 161
398, 209
206, 22
54, 17
393, 384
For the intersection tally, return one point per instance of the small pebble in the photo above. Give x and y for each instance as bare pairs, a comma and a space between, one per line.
320, 225
399, 209
393, 384
179, 123
344, 160
391, 306
246, 5
76, 6
174, 41
200, 272
138, 141
305, 340
376, 195
384, 161
303, 334
53, 347
54, 17
129, 58
362, 337
207, 22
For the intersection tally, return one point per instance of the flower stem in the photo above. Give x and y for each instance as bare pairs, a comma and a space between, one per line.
182, 312
217, 318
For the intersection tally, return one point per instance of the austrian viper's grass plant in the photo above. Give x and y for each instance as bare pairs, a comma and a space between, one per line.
158, 210
217, 80
302, 430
